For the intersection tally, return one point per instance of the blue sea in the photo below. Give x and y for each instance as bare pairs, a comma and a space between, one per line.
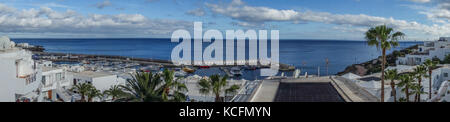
306, 55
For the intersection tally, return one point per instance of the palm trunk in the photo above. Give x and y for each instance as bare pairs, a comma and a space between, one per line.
383, 63
83, 98
218, 98
407, 93
394, 90
420, 89
429, 81
415, 97
166, 91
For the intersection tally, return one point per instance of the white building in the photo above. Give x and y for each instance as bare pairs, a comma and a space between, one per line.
439, 77
18, 73
429, 50
25, 45
100, 80
55, 83
373, 85
45, 63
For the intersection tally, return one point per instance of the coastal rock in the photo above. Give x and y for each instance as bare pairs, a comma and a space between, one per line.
374, 66
35, 48
360, 70
374, 62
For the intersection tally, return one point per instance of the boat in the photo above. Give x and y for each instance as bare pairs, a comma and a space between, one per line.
250, 67
236, 71
204, 67
296, 73
179, 72
151, 68
188, 70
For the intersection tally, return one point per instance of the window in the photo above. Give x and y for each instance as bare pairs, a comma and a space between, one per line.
445, 74
43, 79
58, 77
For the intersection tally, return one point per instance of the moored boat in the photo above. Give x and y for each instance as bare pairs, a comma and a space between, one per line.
188, 70
236, 71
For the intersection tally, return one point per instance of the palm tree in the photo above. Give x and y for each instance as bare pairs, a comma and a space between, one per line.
149, 87
115, 92
430, 66
82, 89
232, 90
417, 89
92, 93
205, 87
392, 75
170, 82
143, 87
383, 37
215, 84
406, 82
420, 71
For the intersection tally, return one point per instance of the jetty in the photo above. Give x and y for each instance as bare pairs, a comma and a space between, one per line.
69, 57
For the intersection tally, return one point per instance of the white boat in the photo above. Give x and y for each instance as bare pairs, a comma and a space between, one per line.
296, 73
236, 71
180, 73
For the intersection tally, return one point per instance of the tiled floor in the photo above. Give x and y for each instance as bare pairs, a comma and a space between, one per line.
307, 92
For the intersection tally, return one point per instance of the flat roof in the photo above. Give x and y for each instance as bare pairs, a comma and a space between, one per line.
307, 92
314, 89
46, 69
92, 74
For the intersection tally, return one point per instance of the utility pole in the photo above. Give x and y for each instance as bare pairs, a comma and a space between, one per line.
318, 71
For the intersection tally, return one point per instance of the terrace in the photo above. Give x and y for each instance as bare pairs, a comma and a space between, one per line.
315, 89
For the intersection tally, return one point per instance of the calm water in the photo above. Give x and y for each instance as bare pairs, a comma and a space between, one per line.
305, 54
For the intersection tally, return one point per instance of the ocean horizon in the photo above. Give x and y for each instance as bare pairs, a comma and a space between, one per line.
307, 55
103, 38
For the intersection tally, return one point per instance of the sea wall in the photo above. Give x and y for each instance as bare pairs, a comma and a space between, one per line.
66, 57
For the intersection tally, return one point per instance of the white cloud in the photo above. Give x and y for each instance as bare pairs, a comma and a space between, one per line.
47, 20
252, 14
439, 13
196, 12
247, 24
420, 1
237, 2
103, 4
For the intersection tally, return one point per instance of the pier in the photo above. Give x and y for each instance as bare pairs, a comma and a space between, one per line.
67, 57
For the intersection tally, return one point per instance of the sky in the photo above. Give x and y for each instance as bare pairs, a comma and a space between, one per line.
421, 20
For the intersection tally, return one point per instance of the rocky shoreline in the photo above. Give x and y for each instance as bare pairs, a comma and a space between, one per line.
374, 66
